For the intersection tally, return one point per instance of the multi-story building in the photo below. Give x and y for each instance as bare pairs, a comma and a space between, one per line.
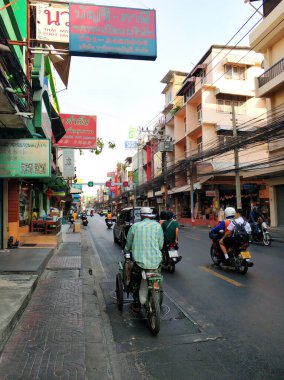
268, 38
28, 177
222, 83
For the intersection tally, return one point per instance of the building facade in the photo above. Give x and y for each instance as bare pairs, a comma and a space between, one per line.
268, 38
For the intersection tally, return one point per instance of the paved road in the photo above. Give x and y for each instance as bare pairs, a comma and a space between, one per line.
216, 324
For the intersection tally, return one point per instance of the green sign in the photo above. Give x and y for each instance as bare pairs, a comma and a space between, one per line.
25, 158
90, 183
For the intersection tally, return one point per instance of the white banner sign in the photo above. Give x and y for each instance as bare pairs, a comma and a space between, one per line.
52, 22
68, 163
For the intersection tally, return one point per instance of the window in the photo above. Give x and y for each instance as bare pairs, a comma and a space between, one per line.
225, 105
199, 144
199, 113
203, 77
235, 72
189, 93
169, 96
223, 139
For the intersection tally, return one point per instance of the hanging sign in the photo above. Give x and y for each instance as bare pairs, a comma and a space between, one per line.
112, 32
68, 163
52, 22
25, 158
81, 131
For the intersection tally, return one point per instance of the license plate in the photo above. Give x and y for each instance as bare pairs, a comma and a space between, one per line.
246, 255
173, 253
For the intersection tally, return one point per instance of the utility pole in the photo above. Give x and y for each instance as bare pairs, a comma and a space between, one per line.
191, 193
237, 166
164, 165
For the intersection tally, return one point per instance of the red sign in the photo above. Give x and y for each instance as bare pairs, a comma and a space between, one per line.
81, 131
110, 174
108, 184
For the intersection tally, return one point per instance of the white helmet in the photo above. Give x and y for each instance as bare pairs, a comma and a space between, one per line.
147, 211
230, 212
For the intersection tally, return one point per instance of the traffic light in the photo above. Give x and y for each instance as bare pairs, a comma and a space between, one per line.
125, 184
108, 183
90, 183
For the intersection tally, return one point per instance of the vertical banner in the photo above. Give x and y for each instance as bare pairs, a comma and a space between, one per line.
68, 163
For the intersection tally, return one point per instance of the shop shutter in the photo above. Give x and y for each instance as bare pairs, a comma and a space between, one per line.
13, 201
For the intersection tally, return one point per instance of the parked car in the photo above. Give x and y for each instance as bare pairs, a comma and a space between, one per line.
125, 221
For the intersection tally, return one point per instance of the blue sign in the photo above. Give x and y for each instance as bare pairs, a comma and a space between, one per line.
130, 144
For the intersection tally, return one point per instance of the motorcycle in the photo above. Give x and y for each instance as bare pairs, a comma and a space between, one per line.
170, 257
109, 223
150, 291
260, 234
84, 220
240, 257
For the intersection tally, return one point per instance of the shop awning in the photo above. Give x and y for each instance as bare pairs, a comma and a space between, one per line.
179, 189
57, 126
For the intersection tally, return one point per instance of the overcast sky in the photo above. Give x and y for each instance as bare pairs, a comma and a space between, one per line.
125, 93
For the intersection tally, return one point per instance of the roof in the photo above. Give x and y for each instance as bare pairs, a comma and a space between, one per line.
170, 73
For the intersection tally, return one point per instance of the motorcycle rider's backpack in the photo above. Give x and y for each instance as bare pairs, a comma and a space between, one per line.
240, 234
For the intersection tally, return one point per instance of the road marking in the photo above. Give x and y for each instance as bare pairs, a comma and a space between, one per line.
233, 282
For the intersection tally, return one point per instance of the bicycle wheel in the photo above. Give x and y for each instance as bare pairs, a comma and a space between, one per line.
154, 313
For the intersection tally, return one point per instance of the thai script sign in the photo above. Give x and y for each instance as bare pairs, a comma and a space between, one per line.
130, 144
52, 22
110, 174
112, 32
68, 163
81, 131
25, 158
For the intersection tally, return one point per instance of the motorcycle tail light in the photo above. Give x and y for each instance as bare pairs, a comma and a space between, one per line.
156, 286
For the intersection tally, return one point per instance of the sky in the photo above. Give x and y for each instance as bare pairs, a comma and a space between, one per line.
127, 93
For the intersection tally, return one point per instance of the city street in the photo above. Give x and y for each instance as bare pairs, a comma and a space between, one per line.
216, 323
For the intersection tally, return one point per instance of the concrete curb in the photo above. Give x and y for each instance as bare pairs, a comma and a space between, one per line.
14, 318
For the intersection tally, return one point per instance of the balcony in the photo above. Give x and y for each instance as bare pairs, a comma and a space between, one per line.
271, 80
15, 91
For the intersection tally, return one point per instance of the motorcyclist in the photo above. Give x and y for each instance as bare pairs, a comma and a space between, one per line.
253, 218
226, 241
108, 216
145, 239
171, 229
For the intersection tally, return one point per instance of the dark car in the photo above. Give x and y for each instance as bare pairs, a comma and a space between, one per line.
125, 221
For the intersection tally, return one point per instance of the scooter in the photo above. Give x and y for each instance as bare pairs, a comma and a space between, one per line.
84, 220
109, 223
170, 257
260, 234
150, 291
240, 257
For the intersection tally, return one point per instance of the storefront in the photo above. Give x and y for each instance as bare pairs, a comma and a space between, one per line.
280, 204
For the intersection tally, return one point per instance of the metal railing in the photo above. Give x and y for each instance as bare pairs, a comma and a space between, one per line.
271, 73
12, 77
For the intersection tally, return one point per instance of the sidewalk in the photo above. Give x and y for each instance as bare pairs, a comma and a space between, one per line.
57, 331
20, 270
